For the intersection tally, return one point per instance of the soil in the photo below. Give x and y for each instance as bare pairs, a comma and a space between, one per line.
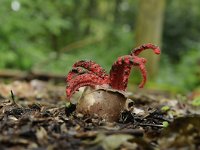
36, 115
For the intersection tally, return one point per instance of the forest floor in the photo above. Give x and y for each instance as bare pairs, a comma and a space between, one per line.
37, 116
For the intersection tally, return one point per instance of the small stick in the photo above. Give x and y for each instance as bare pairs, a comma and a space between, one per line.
136, 132
152, 125
13, 97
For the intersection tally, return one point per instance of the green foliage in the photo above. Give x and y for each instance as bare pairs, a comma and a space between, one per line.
26, 33
34, 35
181, 28
183, 76
99, 53
35, 31
165, 124
196, 101
165, 108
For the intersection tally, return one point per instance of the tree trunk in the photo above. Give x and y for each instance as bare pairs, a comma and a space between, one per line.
117, 11
92, 13
149, 30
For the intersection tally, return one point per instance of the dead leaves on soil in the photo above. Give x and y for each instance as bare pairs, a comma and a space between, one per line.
39, 118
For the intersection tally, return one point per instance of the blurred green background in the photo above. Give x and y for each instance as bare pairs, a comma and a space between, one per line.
49, 36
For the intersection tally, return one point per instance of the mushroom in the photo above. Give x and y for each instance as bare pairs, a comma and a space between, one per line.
105, 94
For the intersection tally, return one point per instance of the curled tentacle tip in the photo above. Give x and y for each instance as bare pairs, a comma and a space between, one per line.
68, 97
68, 93
157, 51
143, 60
141, 86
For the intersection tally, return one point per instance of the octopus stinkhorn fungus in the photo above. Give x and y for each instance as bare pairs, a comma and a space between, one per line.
105, 93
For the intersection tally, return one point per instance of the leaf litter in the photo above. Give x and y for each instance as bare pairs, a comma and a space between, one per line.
37, 116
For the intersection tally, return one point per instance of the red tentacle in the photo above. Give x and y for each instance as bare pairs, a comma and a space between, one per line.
83, 80
143, 47
93, 67
74, 72
140, 62
83, 66
120, 72
144, 76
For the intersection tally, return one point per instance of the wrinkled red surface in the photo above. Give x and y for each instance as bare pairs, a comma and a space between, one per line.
120, 72
93, 67
74, 72
121, 69
83, 80
85, 73
136, 51
89, 73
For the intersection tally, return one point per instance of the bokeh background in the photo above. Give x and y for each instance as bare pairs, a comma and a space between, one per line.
49, 36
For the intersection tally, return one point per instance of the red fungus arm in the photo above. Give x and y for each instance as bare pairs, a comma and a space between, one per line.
83, 80
74, 72
140, 62
121, 69
85, 73
84, 66
138, 50
120, 72
93, 67
144, 75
